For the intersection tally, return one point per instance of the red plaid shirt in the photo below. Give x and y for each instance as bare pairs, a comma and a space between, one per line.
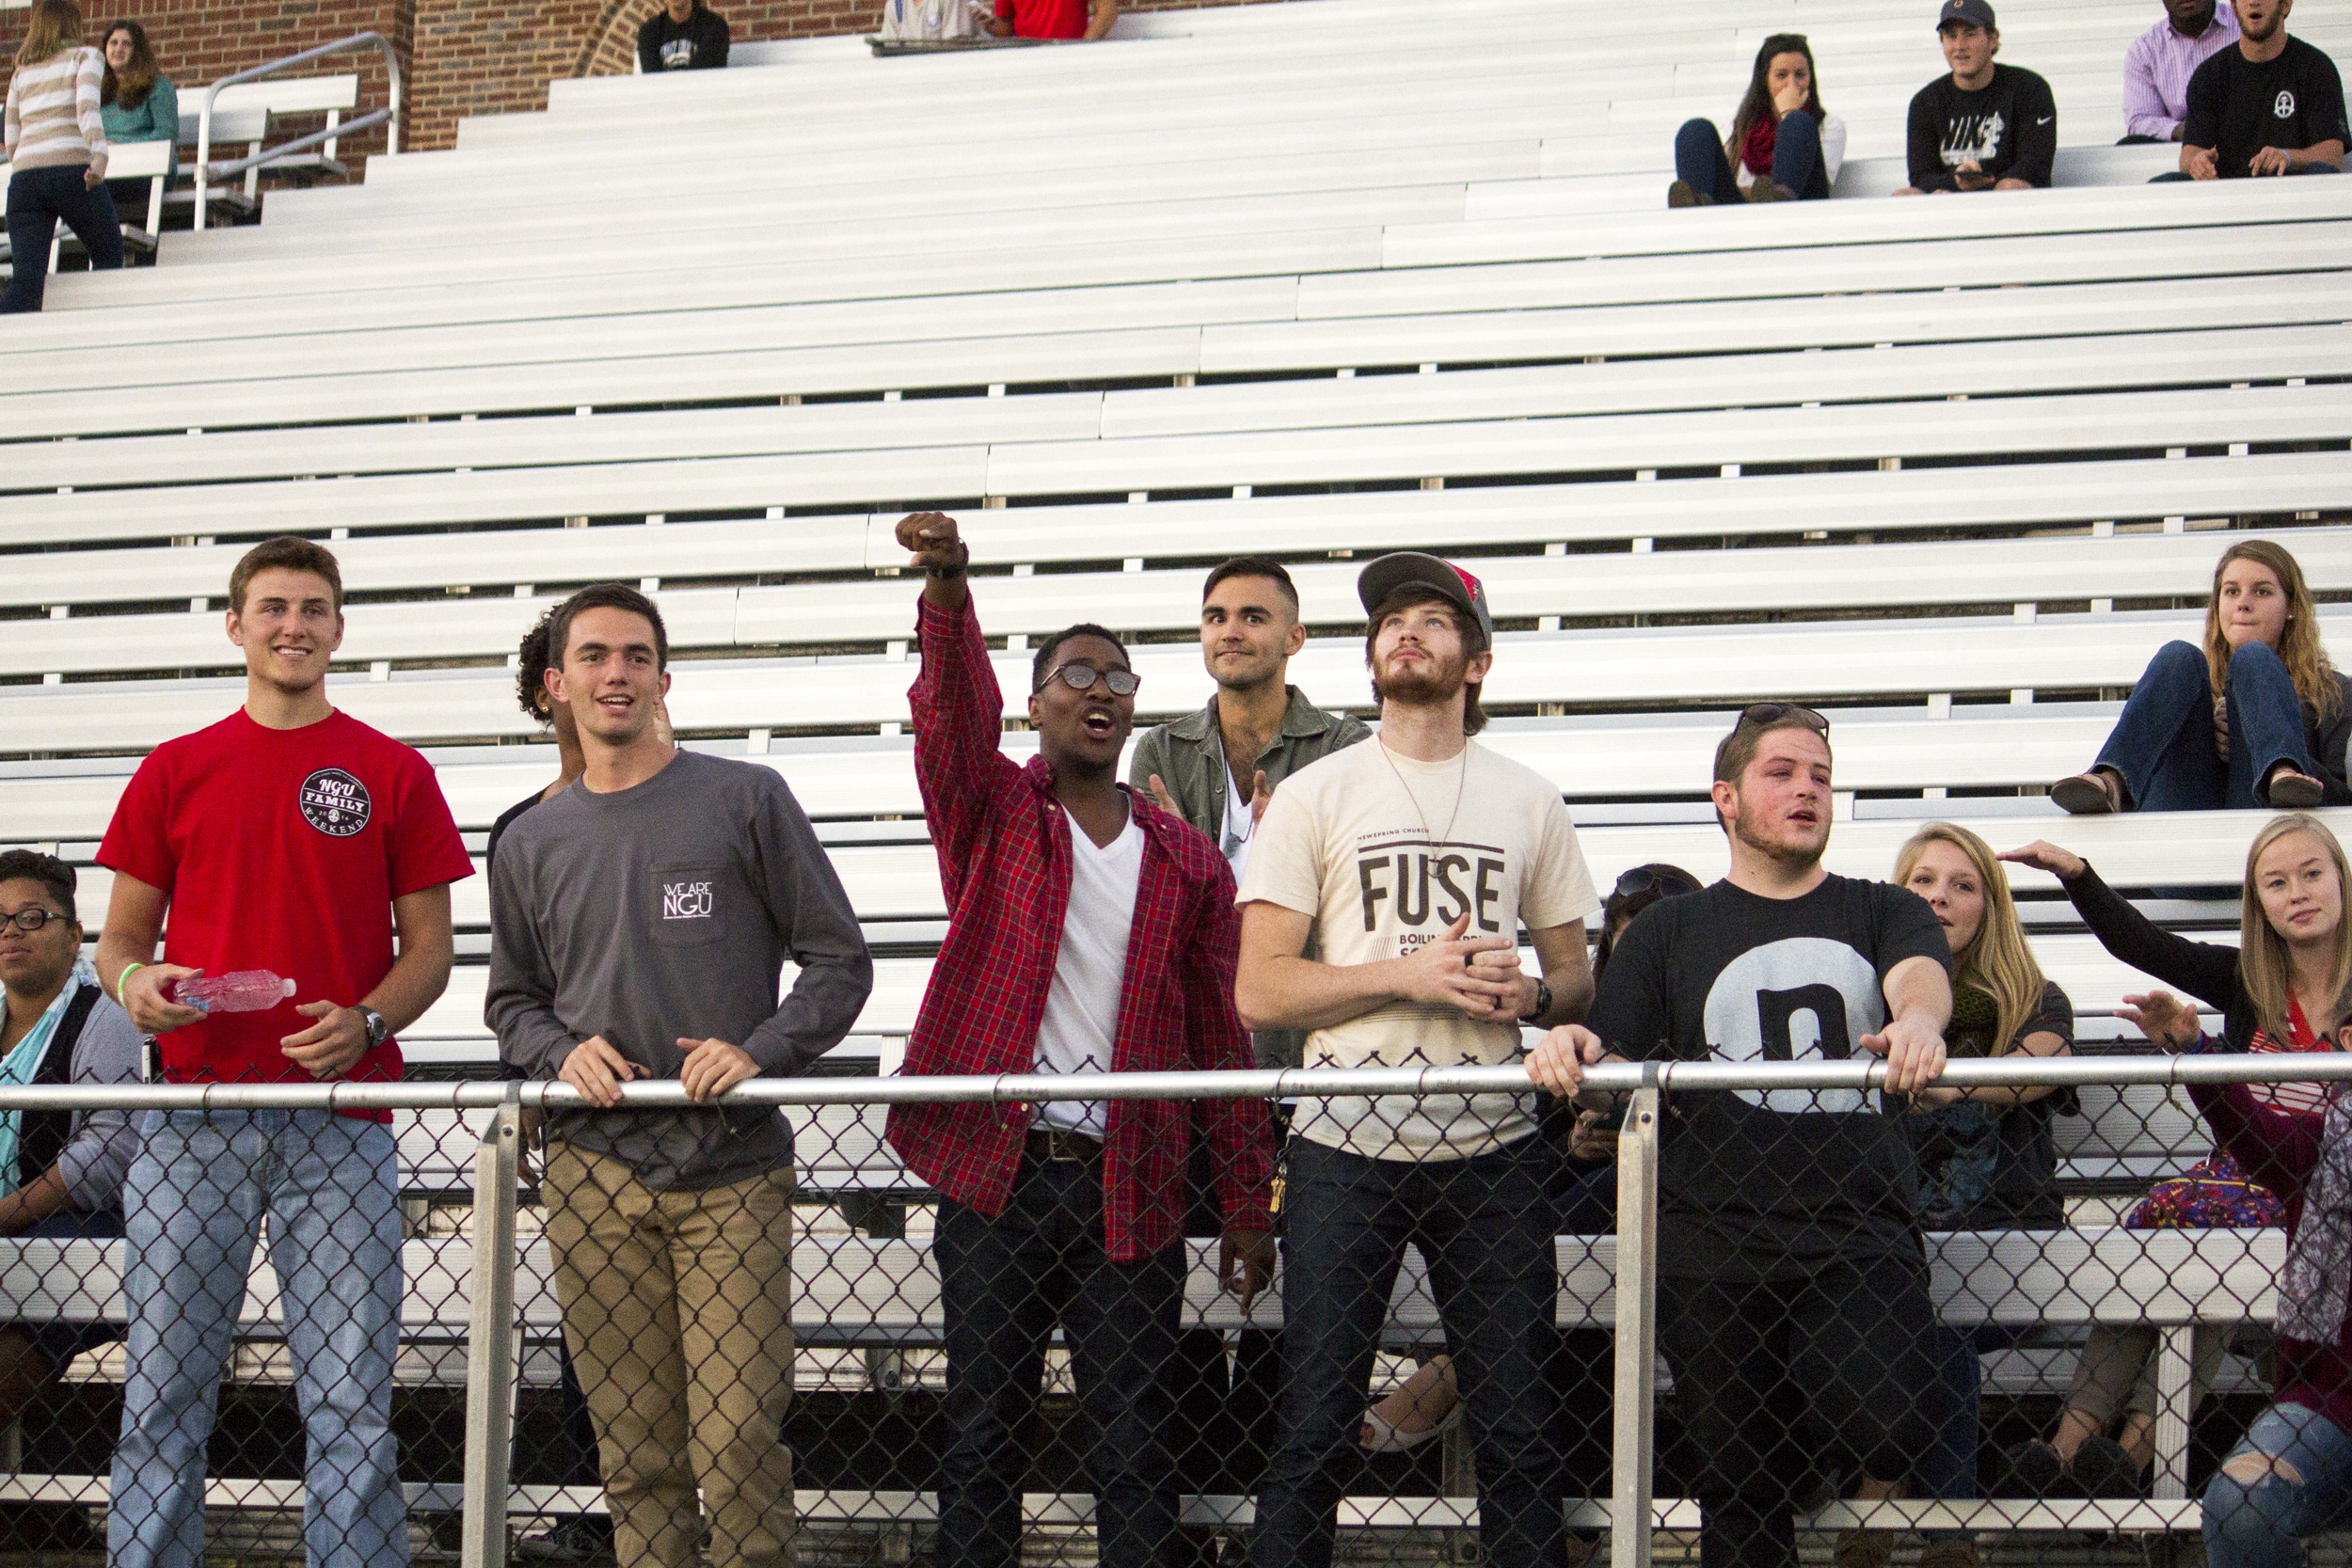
1005, 860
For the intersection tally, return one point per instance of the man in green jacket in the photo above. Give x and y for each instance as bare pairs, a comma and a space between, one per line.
1217, 768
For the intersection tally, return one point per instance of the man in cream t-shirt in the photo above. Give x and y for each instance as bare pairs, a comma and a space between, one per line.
1413, 861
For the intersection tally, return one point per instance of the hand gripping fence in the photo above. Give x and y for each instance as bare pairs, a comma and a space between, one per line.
918, 1408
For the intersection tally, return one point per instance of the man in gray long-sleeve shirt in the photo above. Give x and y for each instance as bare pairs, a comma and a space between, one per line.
642, 918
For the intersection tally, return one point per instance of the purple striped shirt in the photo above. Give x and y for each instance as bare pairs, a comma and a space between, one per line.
2157, 69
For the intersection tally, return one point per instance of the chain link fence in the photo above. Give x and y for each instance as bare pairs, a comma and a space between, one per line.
318, 1332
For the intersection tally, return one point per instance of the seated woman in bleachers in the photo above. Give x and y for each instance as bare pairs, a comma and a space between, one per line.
1782, 147
2279, 991
1987, 1159
2276, 988
2257, 716
2115, 1380
2291, 1475
137, 102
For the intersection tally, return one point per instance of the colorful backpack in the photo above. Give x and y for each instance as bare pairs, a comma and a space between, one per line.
2213, 1193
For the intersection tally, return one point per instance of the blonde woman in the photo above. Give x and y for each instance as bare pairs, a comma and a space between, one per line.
1987, 1158
57, 145
2258, 717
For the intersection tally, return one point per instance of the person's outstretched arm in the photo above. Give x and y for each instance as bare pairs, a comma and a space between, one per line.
2204, 969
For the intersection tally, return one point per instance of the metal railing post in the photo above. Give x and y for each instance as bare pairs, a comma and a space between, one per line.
1633, 1438
490, 1341
388, 115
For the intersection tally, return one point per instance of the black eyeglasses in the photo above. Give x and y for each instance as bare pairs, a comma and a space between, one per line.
1772, 713
31, 919
1081, 677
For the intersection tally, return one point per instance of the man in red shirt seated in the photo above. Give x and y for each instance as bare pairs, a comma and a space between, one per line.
1053, 19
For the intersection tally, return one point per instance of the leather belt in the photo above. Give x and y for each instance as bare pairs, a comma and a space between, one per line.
1054, 1143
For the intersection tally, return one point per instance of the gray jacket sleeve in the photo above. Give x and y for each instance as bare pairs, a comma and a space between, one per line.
520, 1005
95, 1159
819, 929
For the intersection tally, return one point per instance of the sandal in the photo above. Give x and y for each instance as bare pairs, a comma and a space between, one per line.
2292, 790
2093, 794
1387, 1438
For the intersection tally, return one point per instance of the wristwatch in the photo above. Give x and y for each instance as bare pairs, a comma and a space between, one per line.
377, 1028
1543, 1000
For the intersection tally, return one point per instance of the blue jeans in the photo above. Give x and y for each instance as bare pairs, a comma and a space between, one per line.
2264, 1525
1483, 1225
1700, 162
1004, 1283
1948, 1467
193, 1205
39, 199
2162, 745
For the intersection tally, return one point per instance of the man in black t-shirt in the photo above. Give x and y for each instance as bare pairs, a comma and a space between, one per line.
1985, 127
2270, 104
684, 34
1790, 1267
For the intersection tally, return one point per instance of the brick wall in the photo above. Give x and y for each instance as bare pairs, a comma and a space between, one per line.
459, 58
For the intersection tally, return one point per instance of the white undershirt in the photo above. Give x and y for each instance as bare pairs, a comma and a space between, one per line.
1082, 1005
1239, 828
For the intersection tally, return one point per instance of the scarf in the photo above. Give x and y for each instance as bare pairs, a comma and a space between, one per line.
22, 1065
1757, 154
2314, 1285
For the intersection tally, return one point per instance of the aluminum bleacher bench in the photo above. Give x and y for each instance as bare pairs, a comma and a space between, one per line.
867, 1292
1999, 657
828, 614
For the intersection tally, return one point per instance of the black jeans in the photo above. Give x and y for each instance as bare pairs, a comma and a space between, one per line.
39, 199
1004, 1283
1850, 1345
1485, 1228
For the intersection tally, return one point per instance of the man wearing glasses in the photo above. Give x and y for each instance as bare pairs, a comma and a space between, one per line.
1089, 931
1788, 1251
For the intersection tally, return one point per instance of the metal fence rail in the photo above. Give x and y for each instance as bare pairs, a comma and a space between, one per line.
487, 1253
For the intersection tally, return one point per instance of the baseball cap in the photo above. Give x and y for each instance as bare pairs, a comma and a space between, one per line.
1458, 588
1975, 12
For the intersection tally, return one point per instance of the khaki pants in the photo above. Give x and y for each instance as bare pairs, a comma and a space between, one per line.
677, 1309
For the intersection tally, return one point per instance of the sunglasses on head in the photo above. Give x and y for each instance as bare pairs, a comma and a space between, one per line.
1640, 879
1081, 677
1772, 713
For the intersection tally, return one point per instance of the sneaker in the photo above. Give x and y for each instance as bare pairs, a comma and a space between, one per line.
2088, 795
1865, 1548
2293, 791
1683, 193
2029, 1470
585, 1538
1770, 190
1947, 1551
2104, 1469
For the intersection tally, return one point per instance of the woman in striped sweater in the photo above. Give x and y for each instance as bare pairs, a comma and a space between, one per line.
57, 145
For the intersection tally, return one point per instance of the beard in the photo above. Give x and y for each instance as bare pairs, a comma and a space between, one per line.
1431, 685
1790, 857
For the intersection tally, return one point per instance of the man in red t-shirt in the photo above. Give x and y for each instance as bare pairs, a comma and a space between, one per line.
1053, 19
295, 839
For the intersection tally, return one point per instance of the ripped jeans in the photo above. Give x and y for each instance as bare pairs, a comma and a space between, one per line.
2262, 1523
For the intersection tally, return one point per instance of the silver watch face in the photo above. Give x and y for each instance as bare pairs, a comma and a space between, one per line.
376, 1027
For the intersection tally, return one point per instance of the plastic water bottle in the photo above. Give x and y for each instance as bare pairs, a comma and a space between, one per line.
246, 990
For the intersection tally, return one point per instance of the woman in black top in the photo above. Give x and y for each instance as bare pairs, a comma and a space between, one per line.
2276, 990
2257, 716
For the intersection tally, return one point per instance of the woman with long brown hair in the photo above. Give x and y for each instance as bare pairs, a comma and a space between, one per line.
2257, 716
137, 102
57, 145
1782, 147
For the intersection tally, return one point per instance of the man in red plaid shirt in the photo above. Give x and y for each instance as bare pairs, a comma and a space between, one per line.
1087, 931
